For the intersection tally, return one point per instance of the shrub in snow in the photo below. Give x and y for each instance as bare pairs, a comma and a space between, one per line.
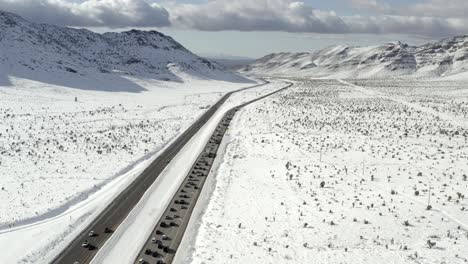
430, 243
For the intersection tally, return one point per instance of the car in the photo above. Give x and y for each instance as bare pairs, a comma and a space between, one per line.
107, 230
166, 249
92, 233
85, 244
142, 261
164, 237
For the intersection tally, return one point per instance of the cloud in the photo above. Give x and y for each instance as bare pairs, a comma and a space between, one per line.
445, 17
90, 13
246, 15
296, 16
411, 25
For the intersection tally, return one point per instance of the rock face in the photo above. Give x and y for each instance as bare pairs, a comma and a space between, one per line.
443, 58
30, 50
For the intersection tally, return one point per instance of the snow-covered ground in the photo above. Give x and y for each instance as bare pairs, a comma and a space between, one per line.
62, 161
341, 172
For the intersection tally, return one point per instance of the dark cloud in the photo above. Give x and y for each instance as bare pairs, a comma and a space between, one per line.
250, 15
270, 15
296, 16
90, 13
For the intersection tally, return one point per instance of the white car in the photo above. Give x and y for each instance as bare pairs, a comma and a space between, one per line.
85, 244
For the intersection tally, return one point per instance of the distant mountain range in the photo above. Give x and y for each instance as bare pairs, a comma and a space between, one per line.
58, 55
43, 52
443, 58
232, 63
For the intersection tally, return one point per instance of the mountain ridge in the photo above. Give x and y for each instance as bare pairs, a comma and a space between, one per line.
47, 53
442, 58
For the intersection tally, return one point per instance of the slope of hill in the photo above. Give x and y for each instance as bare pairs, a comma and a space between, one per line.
443, 58
79, 57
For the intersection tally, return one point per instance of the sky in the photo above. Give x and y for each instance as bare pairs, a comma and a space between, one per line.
253, 28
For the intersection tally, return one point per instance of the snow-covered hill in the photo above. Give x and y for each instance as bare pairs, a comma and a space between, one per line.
78, 57
443, 58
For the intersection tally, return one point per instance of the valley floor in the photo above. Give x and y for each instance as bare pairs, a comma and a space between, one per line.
331, 171
65, 153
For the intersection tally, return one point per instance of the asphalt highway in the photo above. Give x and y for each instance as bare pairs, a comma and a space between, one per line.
162, 245
109, 219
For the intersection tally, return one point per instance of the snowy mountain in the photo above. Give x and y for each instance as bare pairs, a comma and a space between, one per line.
443, 58
50, 53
